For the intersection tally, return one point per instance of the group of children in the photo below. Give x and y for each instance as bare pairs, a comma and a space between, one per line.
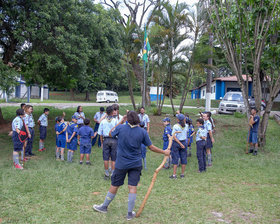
183, 132
78, 132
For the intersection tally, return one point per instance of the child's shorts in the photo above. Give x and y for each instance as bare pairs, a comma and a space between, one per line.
43, 132
253, 138
110, 149
178, 152
72, 145
209, 144
119, 175
61, 143
85, 149
165, 145
18, 145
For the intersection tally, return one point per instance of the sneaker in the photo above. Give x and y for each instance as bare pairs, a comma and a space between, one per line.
31, 154
17, 166
40, 150
43, 149
129, 217
182, 176
251, 151
81, 162
209, 165
173, 177
255, 153
88, 163
106, 177
99, 208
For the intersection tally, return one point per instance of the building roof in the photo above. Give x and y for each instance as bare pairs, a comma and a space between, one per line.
225, 79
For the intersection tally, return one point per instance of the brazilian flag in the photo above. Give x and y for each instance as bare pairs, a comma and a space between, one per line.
147, 47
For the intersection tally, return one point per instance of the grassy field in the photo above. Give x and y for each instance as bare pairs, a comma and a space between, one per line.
239, 188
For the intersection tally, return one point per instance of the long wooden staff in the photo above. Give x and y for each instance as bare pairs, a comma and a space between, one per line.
155, 177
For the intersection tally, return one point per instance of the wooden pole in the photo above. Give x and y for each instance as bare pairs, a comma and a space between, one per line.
155, 177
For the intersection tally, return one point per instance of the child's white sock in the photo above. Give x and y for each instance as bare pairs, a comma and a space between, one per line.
16, 159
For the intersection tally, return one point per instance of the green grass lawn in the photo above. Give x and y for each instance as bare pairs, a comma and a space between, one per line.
239, 188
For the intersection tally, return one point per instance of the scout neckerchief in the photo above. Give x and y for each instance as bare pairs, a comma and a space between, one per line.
109, 118
132, 126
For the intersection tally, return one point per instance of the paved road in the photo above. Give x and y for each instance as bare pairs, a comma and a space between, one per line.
74, 105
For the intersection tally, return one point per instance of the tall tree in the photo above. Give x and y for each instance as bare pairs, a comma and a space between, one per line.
172, 19
242, 28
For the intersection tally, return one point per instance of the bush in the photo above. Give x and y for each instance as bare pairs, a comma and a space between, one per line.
239, 115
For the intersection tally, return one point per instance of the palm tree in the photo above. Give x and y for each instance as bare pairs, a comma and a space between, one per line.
172, 19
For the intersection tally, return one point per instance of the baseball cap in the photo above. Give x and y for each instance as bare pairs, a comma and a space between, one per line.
74, 117
102, 109
180, 117
166, 119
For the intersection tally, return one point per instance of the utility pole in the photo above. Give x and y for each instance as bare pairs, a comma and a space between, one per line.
209, 75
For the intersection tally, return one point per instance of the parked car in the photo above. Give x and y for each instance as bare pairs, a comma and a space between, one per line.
232, 102
106, 96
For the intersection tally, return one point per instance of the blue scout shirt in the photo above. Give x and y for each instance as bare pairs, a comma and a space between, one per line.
208, 126
44, 120
31, 122
17, 123
106, 126
72, 127
201, 132
184, 132
80, 120
129, 145
60, 128
256, 124
167, 131
85, 133
191, 130
98, 115
144, 118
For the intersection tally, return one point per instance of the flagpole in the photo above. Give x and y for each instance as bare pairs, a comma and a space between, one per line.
144, 86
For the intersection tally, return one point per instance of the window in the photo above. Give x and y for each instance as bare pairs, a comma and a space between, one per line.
203, 92
214, 89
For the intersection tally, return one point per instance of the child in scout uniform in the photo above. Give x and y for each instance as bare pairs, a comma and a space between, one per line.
179, 146
85, 135
71, 138
190, 137
43, 124
31, 125
144, 118
253, 134
210, 139
109, 144
80, 115
17, 125
201, 136
56, 136
26, 120
166, 134
61, 138
143, 149
96, 119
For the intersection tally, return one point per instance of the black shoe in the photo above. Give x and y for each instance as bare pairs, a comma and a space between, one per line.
182, 175
173, 177
32, 154
81, 162
88, 163
255, 153
106, 177
251, 151
130, 216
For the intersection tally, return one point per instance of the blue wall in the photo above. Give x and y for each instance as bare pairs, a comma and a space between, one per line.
196, 93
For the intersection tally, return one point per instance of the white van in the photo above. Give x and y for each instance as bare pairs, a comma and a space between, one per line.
107, 96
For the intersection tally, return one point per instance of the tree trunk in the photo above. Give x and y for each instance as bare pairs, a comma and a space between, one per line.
130, 87
209, 75
188, 78
171, 76
2, 120
87, 96
72, 94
